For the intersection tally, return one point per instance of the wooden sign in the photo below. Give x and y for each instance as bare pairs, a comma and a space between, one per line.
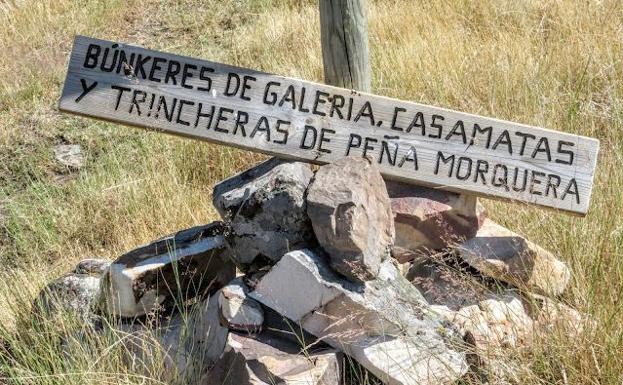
296, 119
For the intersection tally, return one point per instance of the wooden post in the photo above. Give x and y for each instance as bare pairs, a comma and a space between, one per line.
344, 37
346, 57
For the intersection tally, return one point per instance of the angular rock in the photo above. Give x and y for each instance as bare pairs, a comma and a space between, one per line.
506, 256
238, 311
69, 155
92, 266
552, 316
371, 321
448, 286
429, 219
76, 294
265, 359
179, 267
491, 319
495, 323
266, 208
350, 212
187, 345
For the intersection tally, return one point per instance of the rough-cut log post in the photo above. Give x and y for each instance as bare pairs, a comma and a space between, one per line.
344, 34
346, 59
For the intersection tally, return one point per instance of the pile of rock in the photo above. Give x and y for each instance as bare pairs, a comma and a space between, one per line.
412, 283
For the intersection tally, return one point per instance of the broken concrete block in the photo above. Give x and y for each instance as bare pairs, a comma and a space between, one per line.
265, 359
266, 208
180, 267
75, 294
506, 256
429, 219
238, 311
384, 324
350, 212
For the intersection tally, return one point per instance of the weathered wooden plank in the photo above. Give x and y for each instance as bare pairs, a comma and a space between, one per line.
297, 119
344, 37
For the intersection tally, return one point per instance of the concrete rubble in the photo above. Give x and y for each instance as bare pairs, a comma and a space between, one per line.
367, 321
312, 270
179, 267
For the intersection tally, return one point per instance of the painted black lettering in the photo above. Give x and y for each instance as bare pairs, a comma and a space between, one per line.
478, 130
262, 125
155, 66
246, 86
273, 95
458, 130
136, 101
534, 181
504, 138
572, 189
200, 114
418, 121
542, 146
233, 83
323, 139
395, 118
242, 118
284, 132
439, 127
220, 117
180, 112
337, 102
319, 100
524, 140
365, 111
307, 130
445, 160
354, 141
569, 153
482, 167
92, 56
173, 69
553, 182
121, 91
206, 78
187, 74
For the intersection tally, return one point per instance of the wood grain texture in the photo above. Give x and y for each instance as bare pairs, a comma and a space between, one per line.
410, 142
344, 38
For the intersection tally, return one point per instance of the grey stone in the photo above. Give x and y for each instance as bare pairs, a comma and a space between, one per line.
350, 212
92, 266
187, 345
69, 155
238, 311
75, 294
506, 256
266, 359
176, 268
370, 321
428, 219
265, 206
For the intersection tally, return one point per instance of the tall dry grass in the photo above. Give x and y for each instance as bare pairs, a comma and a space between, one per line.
555, 64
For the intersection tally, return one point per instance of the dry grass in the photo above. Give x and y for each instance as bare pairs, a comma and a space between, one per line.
550, 63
